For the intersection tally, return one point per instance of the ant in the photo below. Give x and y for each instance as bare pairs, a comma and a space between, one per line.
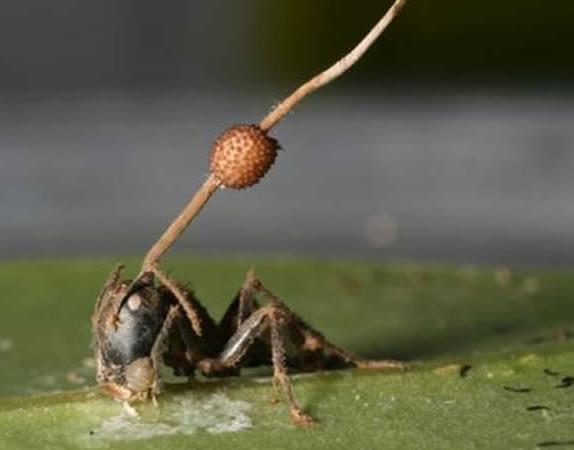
138, 324
152, 326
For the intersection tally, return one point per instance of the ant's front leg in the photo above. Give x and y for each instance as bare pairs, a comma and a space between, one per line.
159, 347
146, 278
181, 296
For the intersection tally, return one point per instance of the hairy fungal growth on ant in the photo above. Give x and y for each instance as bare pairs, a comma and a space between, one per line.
140, 324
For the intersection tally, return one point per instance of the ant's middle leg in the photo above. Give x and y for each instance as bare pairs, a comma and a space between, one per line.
242, 306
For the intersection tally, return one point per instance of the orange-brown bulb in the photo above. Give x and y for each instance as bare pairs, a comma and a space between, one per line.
242, 155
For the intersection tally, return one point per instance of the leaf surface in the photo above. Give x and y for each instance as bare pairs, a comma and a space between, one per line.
493, 364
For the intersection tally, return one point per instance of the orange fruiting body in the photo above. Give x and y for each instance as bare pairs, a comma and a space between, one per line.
242, 155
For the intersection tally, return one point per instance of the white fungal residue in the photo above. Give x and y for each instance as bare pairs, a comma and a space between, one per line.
181, 415
126, 427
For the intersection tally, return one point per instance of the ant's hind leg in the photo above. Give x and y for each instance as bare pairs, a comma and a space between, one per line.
272, 319
315, 352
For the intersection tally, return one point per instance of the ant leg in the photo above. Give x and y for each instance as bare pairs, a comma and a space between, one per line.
312, 352
314, 345
142, 281
270, 319
110, 283
159, 346
247, 302
241, 307
182, 297
280, 369
112, 296
271, 326
105, 316
184, 345
181, 294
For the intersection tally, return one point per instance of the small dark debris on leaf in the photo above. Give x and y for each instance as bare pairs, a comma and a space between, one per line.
555, 444
565, 382
551, 373
463, 372
517, 390
537, 408
92, 432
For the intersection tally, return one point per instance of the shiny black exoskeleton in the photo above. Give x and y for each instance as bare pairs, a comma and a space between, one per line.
137, 327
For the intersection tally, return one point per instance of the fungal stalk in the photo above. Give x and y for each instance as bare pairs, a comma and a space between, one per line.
243, 154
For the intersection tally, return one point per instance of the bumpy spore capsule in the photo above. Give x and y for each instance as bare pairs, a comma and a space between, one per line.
242, 155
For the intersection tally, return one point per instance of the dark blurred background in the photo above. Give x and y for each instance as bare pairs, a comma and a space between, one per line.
451, 140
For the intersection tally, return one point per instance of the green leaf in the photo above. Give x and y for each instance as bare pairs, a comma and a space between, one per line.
491, 360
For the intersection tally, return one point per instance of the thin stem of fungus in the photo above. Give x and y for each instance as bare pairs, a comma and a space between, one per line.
212, 183
332, 72
181, 222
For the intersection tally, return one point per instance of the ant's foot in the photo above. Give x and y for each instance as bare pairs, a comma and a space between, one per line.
301, 419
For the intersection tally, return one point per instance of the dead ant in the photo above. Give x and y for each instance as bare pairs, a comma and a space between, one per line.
152, 326
138, 324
